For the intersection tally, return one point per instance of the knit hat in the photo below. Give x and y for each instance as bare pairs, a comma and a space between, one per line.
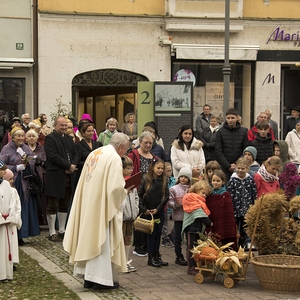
252, 150
232, 111
36, 123
185, 171
14, 119
152, 125
15, 129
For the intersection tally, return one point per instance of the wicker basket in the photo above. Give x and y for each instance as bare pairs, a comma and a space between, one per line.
144, 225
278, 273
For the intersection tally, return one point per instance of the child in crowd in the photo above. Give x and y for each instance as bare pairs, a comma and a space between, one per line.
175, 202
9, 176
130, 211
281, 149
221, 210
263, 142
154, 194
250, 154
266, 178
166, 241
195, 218
9, 219
209, 170
242, 189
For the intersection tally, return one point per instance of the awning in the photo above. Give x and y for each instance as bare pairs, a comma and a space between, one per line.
215, 52
10, 63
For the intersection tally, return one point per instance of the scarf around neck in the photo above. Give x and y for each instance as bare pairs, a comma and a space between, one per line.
266, 175
220, 191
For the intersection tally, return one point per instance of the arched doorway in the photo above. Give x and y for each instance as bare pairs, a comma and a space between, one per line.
105, 92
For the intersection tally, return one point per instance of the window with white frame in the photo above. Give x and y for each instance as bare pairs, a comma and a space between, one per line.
203, 8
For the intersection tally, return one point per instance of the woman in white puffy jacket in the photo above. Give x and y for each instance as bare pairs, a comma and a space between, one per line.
293, 141
187, 151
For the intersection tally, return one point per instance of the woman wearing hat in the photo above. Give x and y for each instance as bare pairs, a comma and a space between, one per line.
291, 122
16, 121
17, 155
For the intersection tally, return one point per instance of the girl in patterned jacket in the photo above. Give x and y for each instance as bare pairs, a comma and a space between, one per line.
242, 189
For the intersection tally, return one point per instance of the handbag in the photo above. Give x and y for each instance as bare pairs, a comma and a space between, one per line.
144, 225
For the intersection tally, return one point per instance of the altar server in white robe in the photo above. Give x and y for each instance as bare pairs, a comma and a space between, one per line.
94, 238
9, 176
8, 223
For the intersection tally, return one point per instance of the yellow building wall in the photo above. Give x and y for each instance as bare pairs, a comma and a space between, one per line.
276, 9
114, 7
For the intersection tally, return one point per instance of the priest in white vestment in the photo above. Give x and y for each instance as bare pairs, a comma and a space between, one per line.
93, 236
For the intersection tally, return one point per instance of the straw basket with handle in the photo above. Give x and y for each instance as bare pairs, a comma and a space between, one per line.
144, 225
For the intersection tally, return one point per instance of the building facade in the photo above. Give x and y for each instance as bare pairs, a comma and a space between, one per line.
92, 54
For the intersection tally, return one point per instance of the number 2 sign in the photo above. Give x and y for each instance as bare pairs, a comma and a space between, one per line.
145, 103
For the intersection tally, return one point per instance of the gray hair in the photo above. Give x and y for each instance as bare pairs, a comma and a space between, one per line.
145, 134
24, 116
31, 131
119, 139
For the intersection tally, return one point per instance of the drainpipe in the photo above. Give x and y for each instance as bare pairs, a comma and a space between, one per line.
35, 78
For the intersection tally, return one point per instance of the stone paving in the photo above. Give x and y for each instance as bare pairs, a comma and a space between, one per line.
148, 283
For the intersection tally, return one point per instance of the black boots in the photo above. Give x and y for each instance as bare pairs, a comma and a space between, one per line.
180, 260
162, 263
152, 261
155, 260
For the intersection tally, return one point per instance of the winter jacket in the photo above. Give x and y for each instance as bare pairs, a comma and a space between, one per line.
193, 158
284, 152
202, 122
208, 138
293, 141
154, 198
243, 193
230, 144
175, 200
222, 215
263, 187
264, 147
131, 206
253, 133
290, 124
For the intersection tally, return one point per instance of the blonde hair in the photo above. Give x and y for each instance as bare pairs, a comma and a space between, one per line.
273, 161
126, 162
112, 120
242, 162
199, 186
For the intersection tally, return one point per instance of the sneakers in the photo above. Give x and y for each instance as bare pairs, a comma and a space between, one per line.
130, 268
167, 243
53, 237
139, 252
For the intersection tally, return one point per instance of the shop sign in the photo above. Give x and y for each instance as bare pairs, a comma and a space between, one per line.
281, 35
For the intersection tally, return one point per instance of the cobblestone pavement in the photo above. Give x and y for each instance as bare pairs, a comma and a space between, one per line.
150, 283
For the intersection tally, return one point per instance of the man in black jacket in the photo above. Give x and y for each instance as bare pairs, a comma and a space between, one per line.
62, 158
231, 140
291, 122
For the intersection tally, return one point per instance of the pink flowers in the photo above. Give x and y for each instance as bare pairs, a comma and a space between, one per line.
290, 180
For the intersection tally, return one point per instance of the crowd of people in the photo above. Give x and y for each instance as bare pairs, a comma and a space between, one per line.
71, 177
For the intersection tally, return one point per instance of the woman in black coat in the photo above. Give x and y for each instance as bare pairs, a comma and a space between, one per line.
208, 137
85, 146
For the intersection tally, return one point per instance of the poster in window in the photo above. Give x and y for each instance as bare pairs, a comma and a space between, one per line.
173, 96
214, 96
